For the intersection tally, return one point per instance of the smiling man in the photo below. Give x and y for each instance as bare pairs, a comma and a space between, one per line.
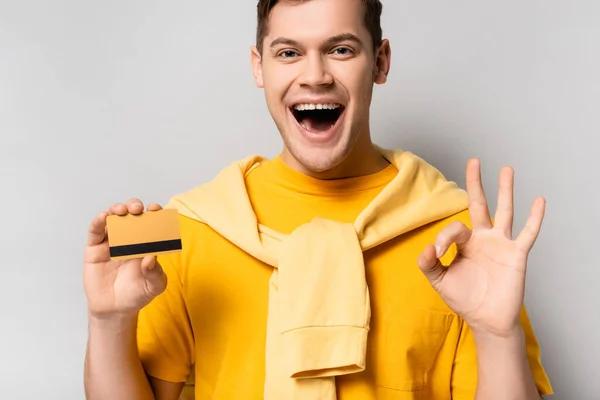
317, 62
336, 270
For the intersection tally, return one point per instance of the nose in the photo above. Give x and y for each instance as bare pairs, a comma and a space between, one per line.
315, 72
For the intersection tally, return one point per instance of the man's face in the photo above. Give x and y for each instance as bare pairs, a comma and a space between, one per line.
317, 68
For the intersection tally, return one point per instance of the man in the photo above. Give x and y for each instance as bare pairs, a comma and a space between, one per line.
336, 270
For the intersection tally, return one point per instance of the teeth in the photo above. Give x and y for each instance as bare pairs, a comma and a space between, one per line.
307, 107
306, 127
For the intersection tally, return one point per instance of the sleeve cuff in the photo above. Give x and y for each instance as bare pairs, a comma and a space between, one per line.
313, 352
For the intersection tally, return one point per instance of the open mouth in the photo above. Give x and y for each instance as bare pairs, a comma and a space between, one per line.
317, 117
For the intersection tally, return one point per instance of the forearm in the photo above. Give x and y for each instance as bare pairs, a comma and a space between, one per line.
503, 368
112, 366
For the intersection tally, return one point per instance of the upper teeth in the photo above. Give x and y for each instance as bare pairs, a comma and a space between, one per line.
305, 107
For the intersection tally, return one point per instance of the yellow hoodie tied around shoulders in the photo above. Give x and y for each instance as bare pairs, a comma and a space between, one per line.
319, 308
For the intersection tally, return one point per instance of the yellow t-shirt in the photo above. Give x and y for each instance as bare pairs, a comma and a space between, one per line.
212, 318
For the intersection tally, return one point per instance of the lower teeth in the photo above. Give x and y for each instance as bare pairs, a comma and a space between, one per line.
306, 127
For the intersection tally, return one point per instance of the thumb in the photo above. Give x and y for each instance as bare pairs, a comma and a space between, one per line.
155, 276
429, 261
431, 266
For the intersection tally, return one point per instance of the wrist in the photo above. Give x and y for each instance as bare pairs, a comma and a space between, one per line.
507, 333
114, 322
513, 338
503, 366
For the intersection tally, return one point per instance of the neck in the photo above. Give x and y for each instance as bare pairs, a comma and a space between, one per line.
364, 159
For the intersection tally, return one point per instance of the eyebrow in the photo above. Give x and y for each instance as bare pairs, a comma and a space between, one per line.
332, 40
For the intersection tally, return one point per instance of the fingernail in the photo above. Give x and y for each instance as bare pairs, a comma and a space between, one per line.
438, 251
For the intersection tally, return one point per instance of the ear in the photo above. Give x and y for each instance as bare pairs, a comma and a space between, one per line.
383, 60
256, 63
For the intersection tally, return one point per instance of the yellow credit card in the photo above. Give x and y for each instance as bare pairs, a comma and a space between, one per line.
149, 233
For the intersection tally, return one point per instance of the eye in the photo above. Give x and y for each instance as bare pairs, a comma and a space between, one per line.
342, 51
288, 54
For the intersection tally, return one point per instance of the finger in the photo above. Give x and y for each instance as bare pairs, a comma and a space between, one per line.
530, 232
156, 279
150, 264
154, 207
455, 232
135, 206
97, 229
503, 220
431, 266
118, 209
478, 208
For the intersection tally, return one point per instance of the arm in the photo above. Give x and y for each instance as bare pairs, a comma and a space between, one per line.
484, 284
486, 366
112, 366
503, 368
117, 291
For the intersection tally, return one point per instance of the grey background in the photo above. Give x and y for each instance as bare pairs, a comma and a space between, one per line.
103, 101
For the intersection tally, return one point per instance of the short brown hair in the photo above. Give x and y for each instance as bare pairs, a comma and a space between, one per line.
372, 20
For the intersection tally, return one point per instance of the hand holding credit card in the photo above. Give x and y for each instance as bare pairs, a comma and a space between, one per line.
140, 235
121, 273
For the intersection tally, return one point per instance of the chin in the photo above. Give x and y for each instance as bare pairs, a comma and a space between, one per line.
318, 159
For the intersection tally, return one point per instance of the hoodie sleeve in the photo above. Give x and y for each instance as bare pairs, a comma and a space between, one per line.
165, 339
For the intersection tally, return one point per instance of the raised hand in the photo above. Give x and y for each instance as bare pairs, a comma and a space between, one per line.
485, 283
118, 288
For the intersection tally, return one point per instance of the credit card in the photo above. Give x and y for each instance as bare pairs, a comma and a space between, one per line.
149, 233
